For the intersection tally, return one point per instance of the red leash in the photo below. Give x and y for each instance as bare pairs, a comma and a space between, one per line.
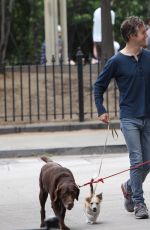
115, 174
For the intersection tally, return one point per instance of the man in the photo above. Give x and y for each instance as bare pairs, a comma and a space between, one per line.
131, 70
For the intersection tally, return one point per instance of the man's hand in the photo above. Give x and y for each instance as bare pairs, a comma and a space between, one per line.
104, 117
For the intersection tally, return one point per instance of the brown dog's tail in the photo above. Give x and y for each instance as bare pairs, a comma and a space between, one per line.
46, 159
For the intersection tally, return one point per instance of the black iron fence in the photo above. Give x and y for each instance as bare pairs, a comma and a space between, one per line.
48, 93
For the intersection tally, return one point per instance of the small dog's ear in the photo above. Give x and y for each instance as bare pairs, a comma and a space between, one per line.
91, 187
88, 199
100, 196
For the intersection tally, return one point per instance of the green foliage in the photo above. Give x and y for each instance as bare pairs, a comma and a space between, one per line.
27, 31
80, 22
81, 32
27, 27
127, 8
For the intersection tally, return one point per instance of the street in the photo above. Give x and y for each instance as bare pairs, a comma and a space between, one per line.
19, 183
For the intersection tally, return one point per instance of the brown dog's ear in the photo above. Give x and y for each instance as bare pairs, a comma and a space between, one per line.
77, 192
56, 193
100, 196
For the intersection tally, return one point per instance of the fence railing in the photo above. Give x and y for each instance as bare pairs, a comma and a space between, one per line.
42, 93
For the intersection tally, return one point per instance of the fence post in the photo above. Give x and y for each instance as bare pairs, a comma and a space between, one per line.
79, 56
1, 68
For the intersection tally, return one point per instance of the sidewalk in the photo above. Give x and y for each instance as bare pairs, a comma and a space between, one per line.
83, 141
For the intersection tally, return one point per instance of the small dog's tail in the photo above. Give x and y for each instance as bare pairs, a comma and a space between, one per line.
91, 186
46, 159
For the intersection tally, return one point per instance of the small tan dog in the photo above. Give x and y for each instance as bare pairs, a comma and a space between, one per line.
92, 206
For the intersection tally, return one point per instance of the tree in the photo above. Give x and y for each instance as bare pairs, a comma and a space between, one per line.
27, 31
21, 30
107, 35
6, 19
133, 7
80, 20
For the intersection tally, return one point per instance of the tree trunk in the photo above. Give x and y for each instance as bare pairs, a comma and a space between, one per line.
6, 13
107, 35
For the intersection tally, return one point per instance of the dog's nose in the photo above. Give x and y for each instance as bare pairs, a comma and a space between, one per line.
94, 209
70, 206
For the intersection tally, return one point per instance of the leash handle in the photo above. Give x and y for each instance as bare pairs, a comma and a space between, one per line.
114, 134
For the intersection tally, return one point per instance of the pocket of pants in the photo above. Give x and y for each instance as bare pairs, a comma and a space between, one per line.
129, 124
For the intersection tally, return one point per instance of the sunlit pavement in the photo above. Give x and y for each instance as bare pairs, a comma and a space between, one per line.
19, 189
66, 142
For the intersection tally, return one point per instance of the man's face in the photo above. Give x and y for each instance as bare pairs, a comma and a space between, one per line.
140, 38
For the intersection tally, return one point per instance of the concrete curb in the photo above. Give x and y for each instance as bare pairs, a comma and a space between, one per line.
55, 127
64, 151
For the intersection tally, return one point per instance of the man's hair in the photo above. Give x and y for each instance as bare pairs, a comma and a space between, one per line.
130, 27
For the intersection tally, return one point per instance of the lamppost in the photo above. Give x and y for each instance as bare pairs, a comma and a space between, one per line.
55, 14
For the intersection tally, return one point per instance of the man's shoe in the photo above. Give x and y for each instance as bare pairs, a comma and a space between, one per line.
128, 202
141, 211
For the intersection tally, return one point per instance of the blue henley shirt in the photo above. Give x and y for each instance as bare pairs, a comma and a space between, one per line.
133, 80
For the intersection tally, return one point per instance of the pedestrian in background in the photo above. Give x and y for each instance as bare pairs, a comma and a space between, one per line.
43, 54
59, 45
131, 69
97, 33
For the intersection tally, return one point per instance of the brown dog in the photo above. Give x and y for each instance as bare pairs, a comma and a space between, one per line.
60, 184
